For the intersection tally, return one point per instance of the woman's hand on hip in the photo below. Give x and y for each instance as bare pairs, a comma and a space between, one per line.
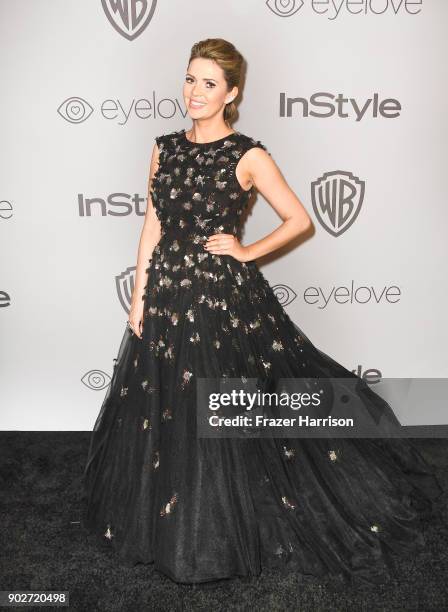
226, 244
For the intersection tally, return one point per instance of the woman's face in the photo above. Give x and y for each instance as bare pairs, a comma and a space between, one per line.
205, 89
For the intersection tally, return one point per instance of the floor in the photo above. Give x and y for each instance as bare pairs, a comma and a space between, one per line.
44, 547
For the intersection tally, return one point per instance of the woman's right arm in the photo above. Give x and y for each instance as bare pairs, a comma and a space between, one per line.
150, 236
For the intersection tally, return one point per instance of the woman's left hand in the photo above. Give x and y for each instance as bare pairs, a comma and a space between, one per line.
226, 244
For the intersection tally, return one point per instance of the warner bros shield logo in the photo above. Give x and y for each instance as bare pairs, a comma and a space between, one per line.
337, 198
125, 286
129, 17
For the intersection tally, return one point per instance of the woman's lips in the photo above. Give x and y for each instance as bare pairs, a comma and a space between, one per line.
194, 104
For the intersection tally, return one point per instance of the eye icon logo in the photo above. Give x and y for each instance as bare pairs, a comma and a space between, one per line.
124, 283
337, 198
96, 380
284, 294
284, 8
75, 110
129, 17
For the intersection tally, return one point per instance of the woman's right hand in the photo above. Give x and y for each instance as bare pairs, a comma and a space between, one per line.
135, 320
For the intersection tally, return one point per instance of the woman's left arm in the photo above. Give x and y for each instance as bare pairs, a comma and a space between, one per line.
258, 167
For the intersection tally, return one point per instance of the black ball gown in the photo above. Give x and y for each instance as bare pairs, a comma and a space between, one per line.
202, 509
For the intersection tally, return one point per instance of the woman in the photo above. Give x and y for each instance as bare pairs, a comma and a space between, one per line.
203, 508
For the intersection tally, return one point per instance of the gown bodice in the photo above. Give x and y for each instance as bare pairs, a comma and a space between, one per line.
195, 190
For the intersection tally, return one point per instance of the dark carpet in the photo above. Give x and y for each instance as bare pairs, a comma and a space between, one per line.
44, 547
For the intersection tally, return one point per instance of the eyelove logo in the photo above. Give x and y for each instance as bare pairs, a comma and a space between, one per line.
97, 380
361, 294
371, 376
284, 294
5, 299
76, 109
332, 9
6, 209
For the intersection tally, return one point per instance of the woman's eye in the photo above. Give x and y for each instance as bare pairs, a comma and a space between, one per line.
189, 80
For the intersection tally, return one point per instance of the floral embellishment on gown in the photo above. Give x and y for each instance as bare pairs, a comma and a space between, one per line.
334, 455
167, 414
288, 504
289, 453
186, 377
169, 507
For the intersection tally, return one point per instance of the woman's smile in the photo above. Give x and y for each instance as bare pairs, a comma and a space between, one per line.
195, 104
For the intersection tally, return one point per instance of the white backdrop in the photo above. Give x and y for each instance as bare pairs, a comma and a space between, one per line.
81, 103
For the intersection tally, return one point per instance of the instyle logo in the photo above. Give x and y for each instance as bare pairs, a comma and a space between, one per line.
332, 9
117, 204
324, 104
337, 198
129, 17
362, 294
124, 283
284, 294
97, 380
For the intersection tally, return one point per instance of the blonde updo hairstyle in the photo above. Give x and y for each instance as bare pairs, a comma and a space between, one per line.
229, 60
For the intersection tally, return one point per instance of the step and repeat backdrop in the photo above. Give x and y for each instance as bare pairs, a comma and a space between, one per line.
349, 99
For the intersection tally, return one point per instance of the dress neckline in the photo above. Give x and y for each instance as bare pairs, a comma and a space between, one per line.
205, 144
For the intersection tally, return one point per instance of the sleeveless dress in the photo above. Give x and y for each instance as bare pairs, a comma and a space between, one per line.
203, 509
